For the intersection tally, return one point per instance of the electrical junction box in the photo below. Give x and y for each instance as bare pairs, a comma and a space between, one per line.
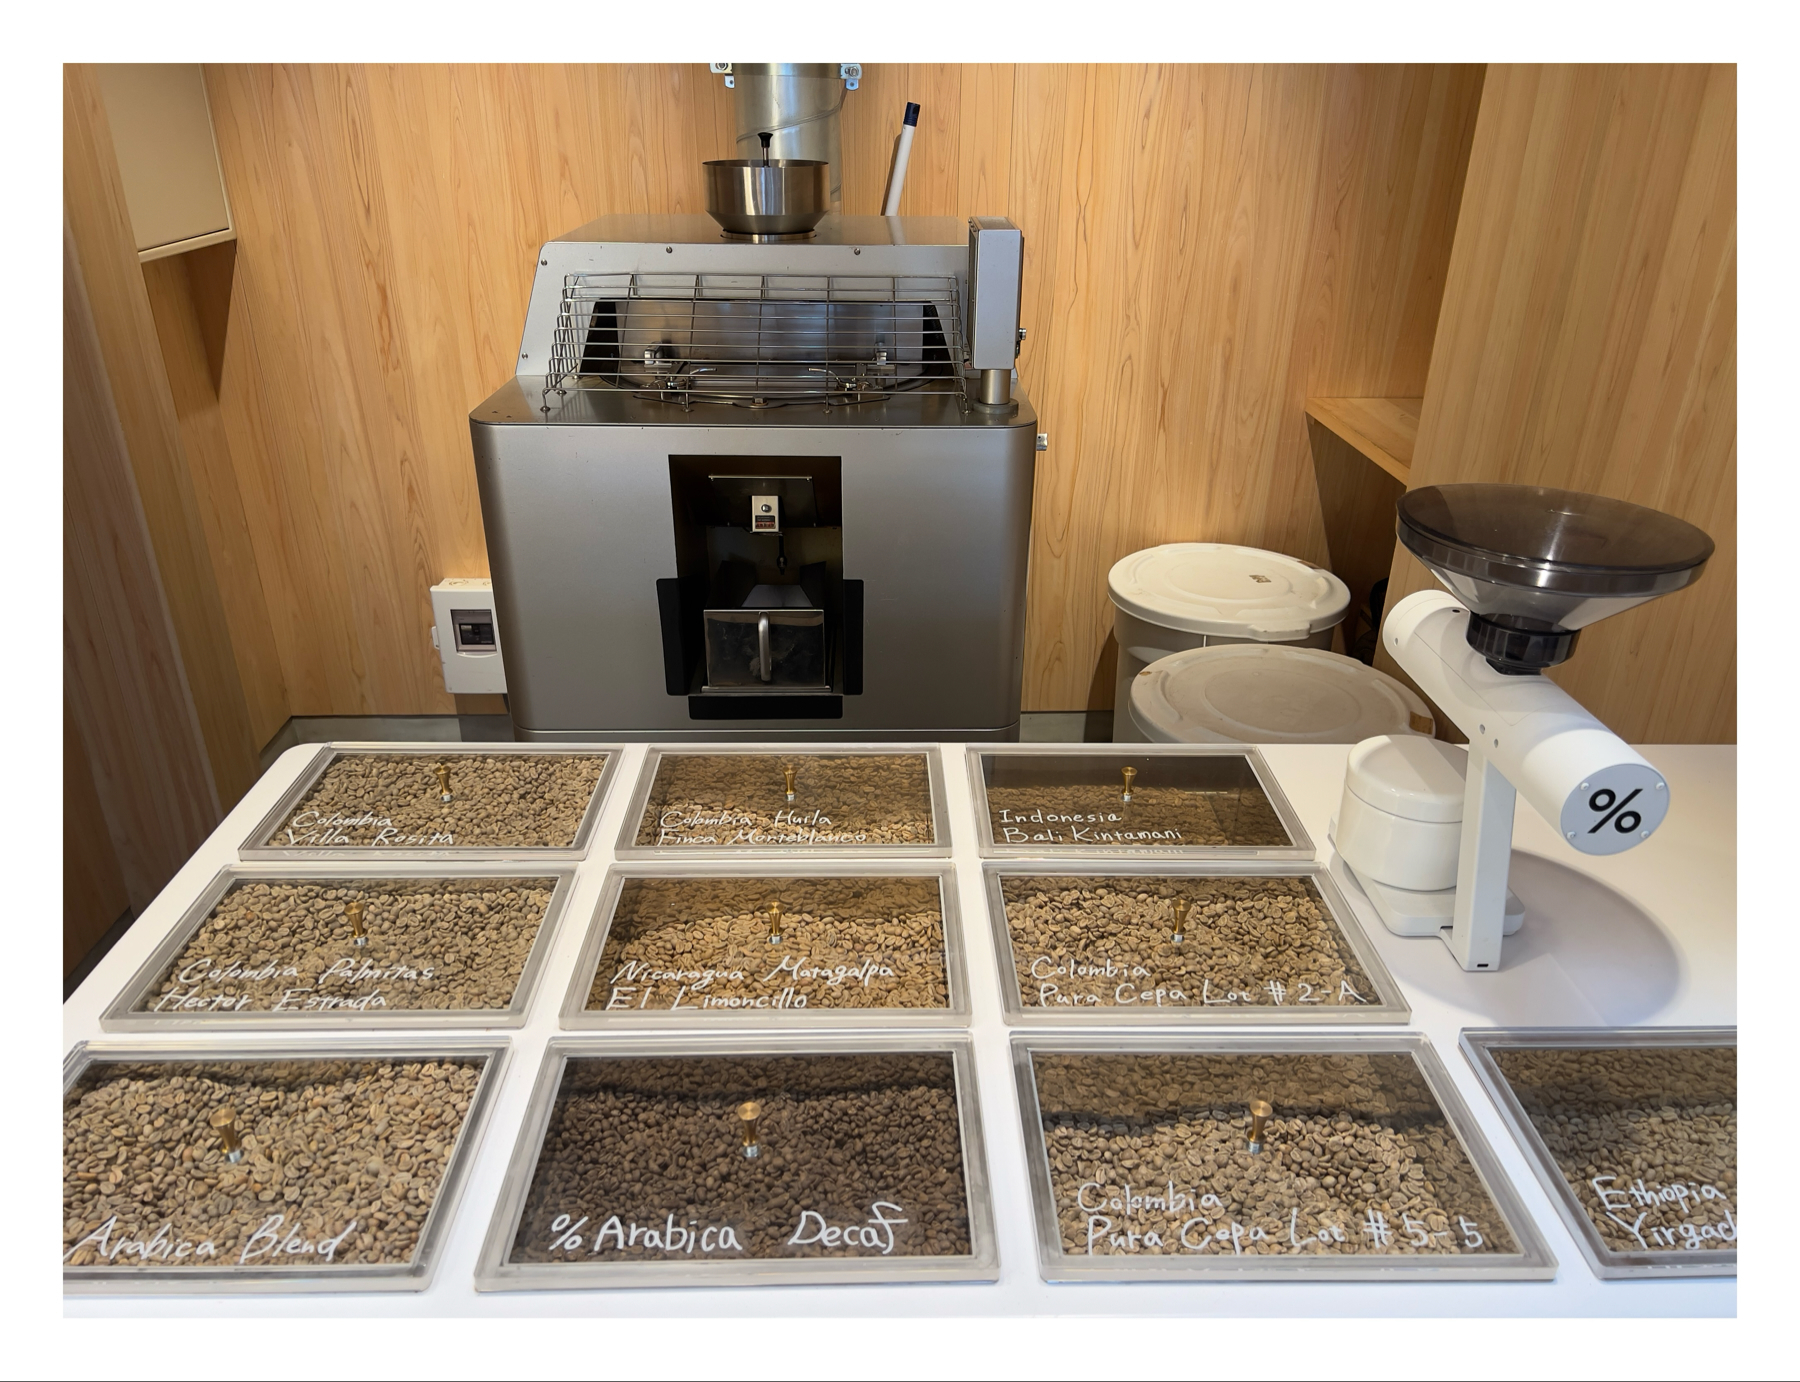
467, 637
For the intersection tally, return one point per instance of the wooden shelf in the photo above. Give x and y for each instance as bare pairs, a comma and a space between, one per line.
1383, 429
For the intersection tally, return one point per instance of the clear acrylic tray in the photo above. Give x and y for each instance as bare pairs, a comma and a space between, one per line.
1633, 1133
850, 946
333, 1165
733, 801
263, 947
663, 1162
1345, 1158
1096, 942
507, 801
1179, 801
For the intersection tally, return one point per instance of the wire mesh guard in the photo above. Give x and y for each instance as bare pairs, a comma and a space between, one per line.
758, 340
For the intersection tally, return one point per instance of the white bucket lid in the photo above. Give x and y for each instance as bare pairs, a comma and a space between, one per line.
1406, 775
1229, 592
1259, 693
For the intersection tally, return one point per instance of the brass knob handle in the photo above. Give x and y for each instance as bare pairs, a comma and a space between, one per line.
775, 915
748, 1113
1259, 1115
1129, 775
787, 774
443, 776
1181, 911
224, 1122
354, 910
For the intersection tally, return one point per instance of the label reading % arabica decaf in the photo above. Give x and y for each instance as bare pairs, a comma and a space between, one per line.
679, 1236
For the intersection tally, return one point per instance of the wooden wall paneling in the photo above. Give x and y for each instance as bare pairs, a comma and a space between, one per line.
98, 221
179, 288
93, 887
984, 152
1588, 341
871, 119
393, 270
269, 394
1051, 112
1356, 503
867, 128
1391, 171
322, 480
124, 684
435, 314
386, 536
1217, 242
1200, 244
1384, 430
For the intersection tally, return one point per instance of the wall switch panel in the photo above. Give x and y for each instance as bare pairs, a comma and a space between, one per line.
467, 637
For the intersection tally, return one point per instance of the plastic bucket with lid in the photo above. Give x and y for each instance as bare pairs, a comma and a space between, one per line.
1197, 594
1269, 694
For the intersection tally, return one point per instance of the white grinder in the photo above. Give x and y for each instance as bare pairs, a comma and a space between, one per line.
1399, 827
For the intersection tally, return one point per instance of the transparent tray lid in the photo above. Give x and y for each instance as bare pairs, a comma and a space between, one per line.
1276, 1158
322, 947
752, 801
1093, 800
1633, 1132
1184, 943
332, 1166
439, 801
670, 1164
785, 946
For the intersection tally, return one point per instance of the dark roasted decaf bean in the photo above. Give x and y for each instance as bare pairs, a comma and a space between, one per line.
687, 1159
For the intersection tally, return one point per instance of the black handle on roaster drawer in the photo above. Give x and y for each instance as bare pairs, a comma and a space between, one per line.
680, 637
853, 638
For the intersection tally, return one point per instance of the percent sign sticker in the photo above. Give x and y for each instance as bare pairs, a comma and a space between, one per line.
1615, 808
1612, 811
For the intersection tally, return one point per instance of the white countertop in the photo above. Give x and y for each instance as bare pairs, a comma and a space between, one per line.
1583, 959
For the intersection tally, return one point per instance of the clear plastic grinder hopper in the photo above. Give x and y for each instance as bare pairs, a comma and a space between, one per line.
1526, 569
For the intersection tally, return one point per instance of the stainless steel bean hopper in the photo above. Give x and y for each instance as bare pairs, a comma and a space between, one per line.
1524, 569
763, 480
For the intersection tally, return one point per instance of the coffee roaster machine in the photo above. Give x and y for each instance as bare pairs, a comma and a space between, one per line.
764, 475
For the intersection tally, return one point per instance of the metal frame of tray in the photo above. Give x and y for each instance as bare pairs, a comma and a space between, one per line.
254, 850
415, 1275
628, 848
494, 1273
1534, 1261
121, 1017
1389, 1005
978, 755
576, 1016
1607, 1263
